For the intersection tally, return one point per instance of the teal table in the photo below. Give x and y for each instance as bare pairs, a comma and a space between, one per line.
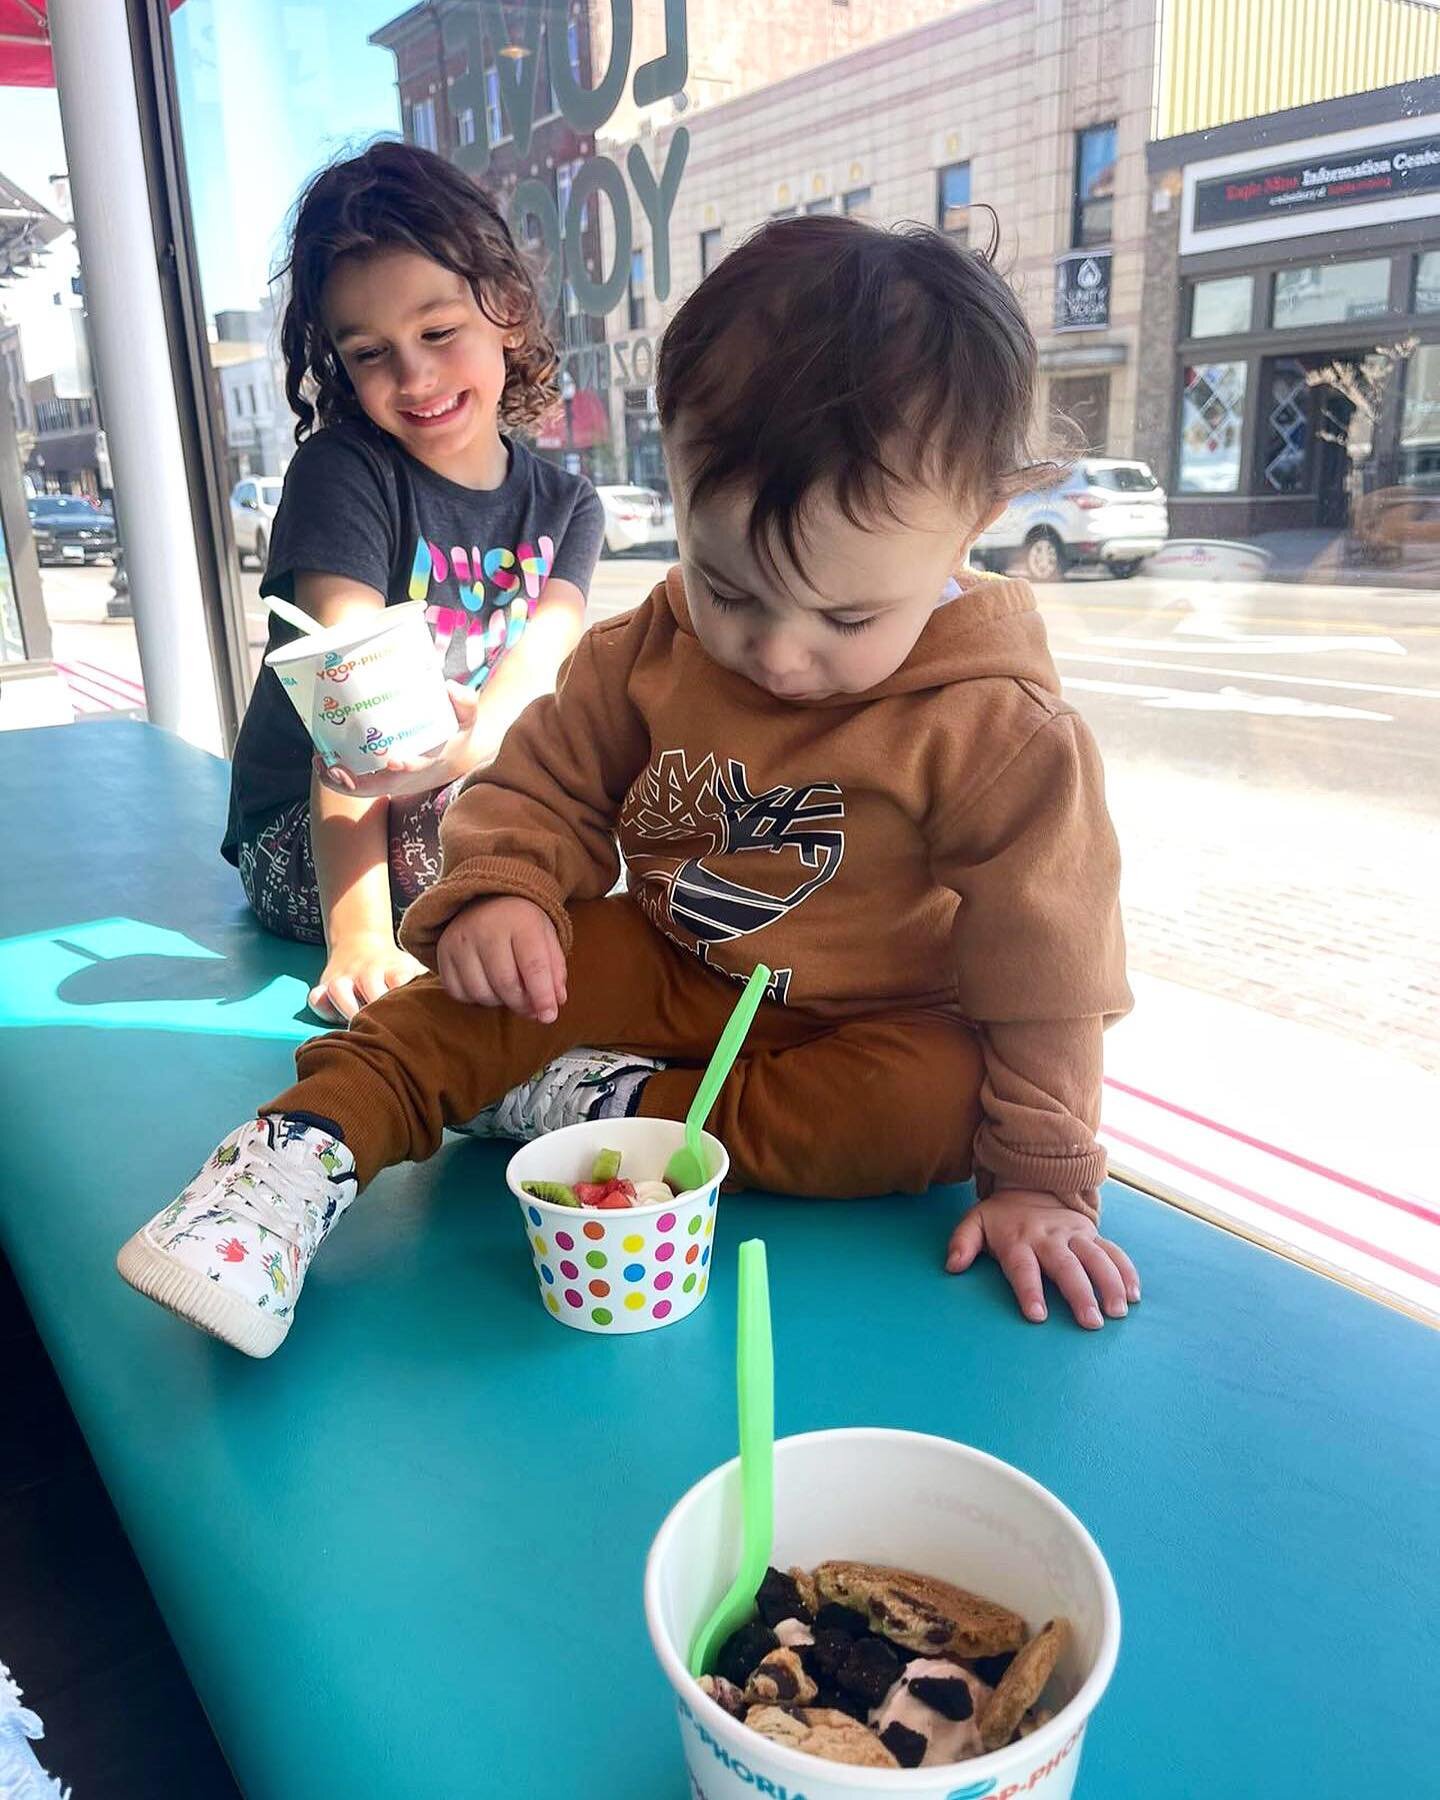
405, 1556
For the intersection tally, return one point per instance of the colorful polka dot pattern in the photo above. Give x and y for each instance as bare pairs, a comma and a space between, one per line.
658, 1274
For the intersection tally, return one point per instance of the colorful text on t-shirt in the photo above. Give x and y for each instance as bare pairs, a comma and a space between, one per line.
495, 594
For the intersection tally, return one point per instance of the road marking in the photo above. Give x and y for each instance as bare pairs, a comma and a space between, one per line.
1170, 668
1218, 644
1227, 699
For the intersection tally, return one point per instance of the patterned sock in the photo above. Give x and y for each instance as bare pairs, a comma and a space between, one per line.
319, 1122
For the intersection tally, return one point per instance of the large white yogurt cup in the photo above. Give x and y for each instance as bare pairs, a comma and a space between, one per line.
913, 1502
637, 1268
369, 690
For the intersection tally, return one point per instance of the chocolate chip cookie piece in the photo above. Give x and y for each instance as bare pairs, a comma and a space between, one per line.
851, 1743
779, 1679
920, 1612
1022, 1684
778, 1725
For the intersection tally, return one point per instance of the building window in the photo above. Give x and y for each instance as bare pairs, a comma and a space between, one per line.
1427, 282
422, 125
1331, 293
1212, 415
1420, 419
1286, 397
710, 250
465, 126
785, 212
952, 200
494, 112
1094, 186
820, 206
856, 204
636, 292
572, 49
1222, 308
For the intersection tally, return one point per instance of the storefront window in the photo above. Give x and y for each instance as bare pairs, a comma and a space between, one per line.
856, 204
1420, 420
1332, 293
710, 251
953, 200
1094, 186
1212, 415
1427, 282
1221, 308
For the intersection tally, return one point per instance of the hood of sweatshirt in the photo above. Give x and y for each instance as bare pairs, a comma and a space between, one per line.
992, 628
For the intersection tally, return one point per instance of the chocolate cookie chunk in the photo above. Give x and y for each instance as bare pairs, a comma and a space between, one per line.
779, 1597
1022, 1684
743, 1649
906, 1746
919, 1611
870, 1670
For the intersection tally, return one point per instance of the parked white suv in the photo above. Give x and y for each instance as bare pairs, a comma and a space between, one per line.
1105, 512
636, 518
253, 505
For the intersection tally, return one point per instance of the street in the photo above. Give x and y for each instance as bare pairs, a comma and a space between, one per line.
1269, 751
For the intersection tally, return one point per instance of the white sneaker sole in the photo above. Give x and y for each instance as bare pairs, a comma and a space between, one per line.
198, 1300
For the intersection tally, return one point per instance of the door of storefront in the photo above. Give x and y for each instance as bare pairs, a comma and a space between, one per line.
1303, 434
1080, 407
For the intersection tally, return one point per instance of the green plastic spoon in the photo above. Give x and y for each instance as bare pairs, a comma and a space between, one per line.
755, 1381
686, 1168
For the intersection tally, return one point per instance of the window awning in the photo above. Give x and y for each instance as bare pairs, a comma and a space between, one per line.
25, 59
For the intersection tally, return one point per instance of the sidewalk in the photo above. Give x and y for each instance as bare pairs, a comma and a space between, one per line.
1319, 556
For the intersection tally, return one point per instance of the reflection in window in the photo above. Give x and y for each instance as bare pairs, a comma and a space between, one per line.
952, 200
856, 204
1094, 186
465, 126
1427, 282
710, 250
784, 212
820, 206
422, 125
1286, 443
1331, 293
635, 294
1222, 308
1212, 414
494, 112
1420, 420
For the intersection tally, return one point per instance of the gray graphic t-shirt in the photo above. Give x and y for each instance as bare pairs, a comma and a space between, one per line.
358, 505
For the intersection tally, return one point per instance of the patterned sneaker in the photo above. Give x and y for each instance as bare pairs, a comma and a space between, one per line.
230, 1254
582, 1084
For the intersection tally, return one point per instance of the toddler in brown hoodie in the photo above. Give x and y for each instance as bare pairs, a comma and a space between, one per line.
819, 743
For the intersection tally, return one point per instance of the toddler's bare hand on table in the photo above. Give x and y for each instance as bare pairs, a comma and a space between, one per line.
360, 969
504, 951
1033, 1234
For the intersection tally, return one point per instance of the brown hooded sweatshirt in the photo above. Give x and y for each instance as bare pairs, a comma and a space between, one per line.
939, 841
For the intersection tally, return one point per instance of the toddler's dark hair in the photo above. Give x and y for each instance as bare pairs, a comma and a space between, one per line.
824, 353
395, 196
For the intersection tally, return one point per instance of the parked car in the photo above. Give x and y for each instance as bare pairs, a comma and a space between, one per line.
69, 529
635, 518
253, 505
1105, 513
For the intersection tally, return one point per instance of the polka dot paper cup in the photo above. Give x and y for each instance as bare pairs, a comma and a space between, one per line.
618, 1272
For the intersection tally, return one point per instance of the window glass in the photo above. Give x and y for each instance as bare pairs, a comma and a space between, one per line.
1094, 185
952, 190
1332, 293
1212, 415
1221, 308
821, 206
1244, 628
1427, 282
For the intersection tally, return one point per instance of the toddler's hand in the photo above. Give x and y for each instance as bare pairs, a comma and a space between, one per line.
504, 952
1031, 1235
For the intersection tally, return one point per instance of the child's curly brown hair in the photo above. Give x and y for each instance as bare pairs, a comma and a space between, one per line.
396, 196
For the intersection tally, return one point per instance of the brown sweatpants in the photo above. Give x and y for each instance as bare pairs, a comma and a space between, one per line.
862, 1106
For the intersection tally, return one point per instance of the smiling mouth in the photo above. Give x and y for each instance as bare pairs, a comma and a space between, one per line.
437, 414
